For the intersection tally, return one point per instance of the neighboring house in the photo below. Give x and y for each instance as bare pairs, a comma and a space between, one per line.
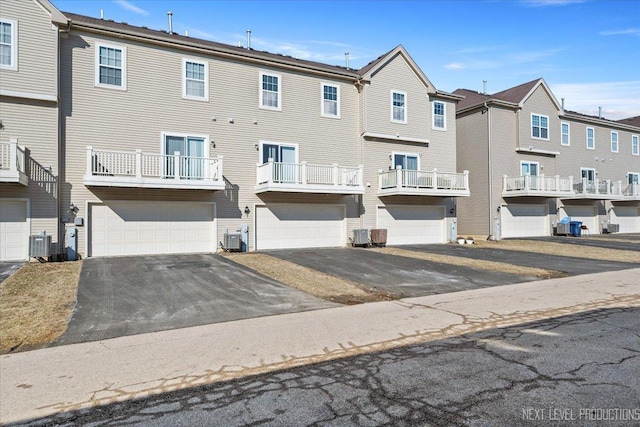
171, 141
532, 163
29, 108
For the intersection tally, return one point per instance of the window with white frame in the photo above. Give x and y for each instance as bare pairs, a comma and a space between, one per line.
192, 150
398, 106
588, 173
635, 148
633, 178
270, 91
330, 100
195, 80
539, 126
529, 168
439, 115
111, 68
591, 139
8, 44
564, 134
614, 142
285, 157
406, 161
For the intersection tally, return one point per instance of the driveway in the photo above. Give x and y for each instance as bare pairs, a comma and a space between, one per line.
607, 242
134, 295
569, 265
401, 276
8, 268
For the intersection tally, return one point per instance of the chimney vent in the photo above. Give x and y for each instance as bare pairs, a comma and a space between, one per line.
599, 112
248, 39
101, 13
484, 87
170, 16
346, 58
562, 99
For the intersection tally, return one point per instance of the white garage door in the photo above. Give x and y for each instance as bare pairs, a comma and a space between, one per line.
628, 217
524, 220
14, 230
408, 224
282, 226
587, 215
145, 228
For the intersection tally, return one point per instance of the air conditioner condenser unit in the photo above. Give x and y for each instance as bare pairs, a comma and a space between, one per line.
232, 242
360, 237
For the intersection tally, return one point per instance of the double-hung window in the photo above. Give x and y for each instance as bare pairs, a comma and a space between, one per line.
270, 91
539, 126
614, 142
195, 83
330, 100
8, 44
398, 106
111, 62
439, 115
591, 139
564, 134
635, 148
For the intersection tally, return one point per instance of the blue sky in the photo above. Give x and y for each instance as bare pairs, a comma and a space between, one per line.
588, 51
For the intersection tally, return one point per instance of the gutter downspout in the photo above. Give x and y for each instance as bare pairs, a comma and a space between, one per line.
490, 172
363, 118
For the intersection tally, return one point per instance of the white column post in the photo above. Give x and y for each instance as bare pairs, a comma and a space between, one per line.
217, 172
435, 178
527, 182
270, 170
303, 173
139, 164
361, 176
176, 164
89, 161
504, 183
399, 182
466, 181
335, 174
13, 156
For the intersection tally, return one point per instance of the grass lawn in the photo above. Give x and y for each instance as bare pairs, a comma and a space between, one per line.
36, 304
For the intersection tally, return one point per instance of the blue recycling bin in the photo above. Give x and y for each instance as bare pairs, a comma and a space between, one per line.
574, 228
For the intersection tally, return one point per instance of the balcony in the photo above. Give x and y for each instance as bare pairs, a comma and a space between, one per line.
598, 189
137, 169
537, 186
13, 163
308, 178
631, 191
405, 182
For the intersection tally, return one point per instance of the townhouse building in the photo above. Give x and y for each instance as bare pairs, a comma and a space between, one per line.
533, 163
167, 142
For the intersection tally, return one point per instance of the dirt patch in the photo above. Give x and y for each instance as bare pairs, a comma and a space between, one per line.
36, 304
562, 249
311, 281
474, 263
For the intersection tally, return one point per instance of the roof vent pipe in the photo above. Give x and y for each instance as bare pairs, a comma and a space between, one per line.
248, 39
186, 33
599, 112
101, 13
484, 87
170, 16
562, 99
346, 58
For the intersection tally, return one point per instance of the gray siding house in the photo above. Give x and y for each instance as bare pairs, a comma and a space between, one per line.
532, 163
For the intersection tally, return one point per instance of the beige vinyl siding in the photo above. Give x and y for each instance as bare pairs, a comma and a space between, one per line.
34, 125
37, 50
539, 103
153, 103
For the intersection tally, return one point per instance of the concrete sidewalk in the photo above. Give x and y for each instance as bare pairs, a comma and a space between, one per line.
60, 379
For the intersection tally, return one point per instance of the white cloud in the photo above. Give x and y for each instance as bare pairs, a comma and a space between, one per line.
629, 31
533, 56
618, 100
455, 66
544, 3
131, 7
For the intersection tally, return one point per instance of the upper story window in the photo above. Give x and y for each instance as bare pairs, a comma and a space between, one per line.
111, 68
635, 149
529, 168
398, 107
330, 100
633, 178
588, 173
406, 161
564, 134
195, 83
614, 142
8, 44
439, 115
539, 126
591, 139
270, 91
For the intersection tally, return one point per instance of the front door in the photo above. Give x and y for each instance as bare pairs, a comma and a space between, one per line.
284, 158
409, 165
192, 161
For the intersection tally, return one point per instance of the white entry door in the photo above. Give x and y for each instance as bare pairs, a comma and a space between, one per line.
412, 224
14, 230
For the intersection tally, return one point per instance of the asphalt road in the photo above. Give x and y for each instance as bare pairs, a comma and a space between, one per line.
8, 268
579, 369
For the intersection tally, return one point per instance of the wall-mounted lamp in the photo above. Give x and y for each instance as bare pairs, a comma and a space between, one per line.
247, 211
452, 211
73, 208
498, 209
610, 209
1, 125
557, 211
231, 120
257, 147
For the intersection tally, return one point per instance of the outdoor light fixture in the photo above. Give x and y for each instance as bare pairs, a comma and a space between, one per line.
247, 211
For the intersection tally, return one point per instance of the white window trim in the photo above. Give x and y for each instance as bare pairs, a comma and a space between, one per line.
406, 108
279, 107
206, 79
164, 134
595, 173
587, 138
568, 134
630, 174
281, 144
14, 45
124, 66
322, 112
404, 153
548, 127
637, 146
530, 163
433, 116
617, 142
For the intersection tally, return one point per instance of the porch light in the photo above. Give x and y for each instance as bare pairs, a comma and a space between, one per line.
247, 211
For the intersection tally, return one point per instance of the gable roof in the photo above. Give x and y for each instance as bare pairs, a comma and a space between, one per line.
371, 69
57, 17
631, 121
515, 96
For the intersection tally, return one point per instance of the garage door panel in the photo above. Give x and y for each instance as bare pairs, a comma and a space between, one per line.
524, 220
14, 230
628, 217
409, 224
299, 226
587, 215
145, 228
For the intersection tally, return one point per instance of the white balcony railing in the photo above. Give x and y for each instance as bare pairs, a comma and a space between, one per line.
13, 162
599, 189
537, 185
308, 178
138, 169
427, 183
631, 190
